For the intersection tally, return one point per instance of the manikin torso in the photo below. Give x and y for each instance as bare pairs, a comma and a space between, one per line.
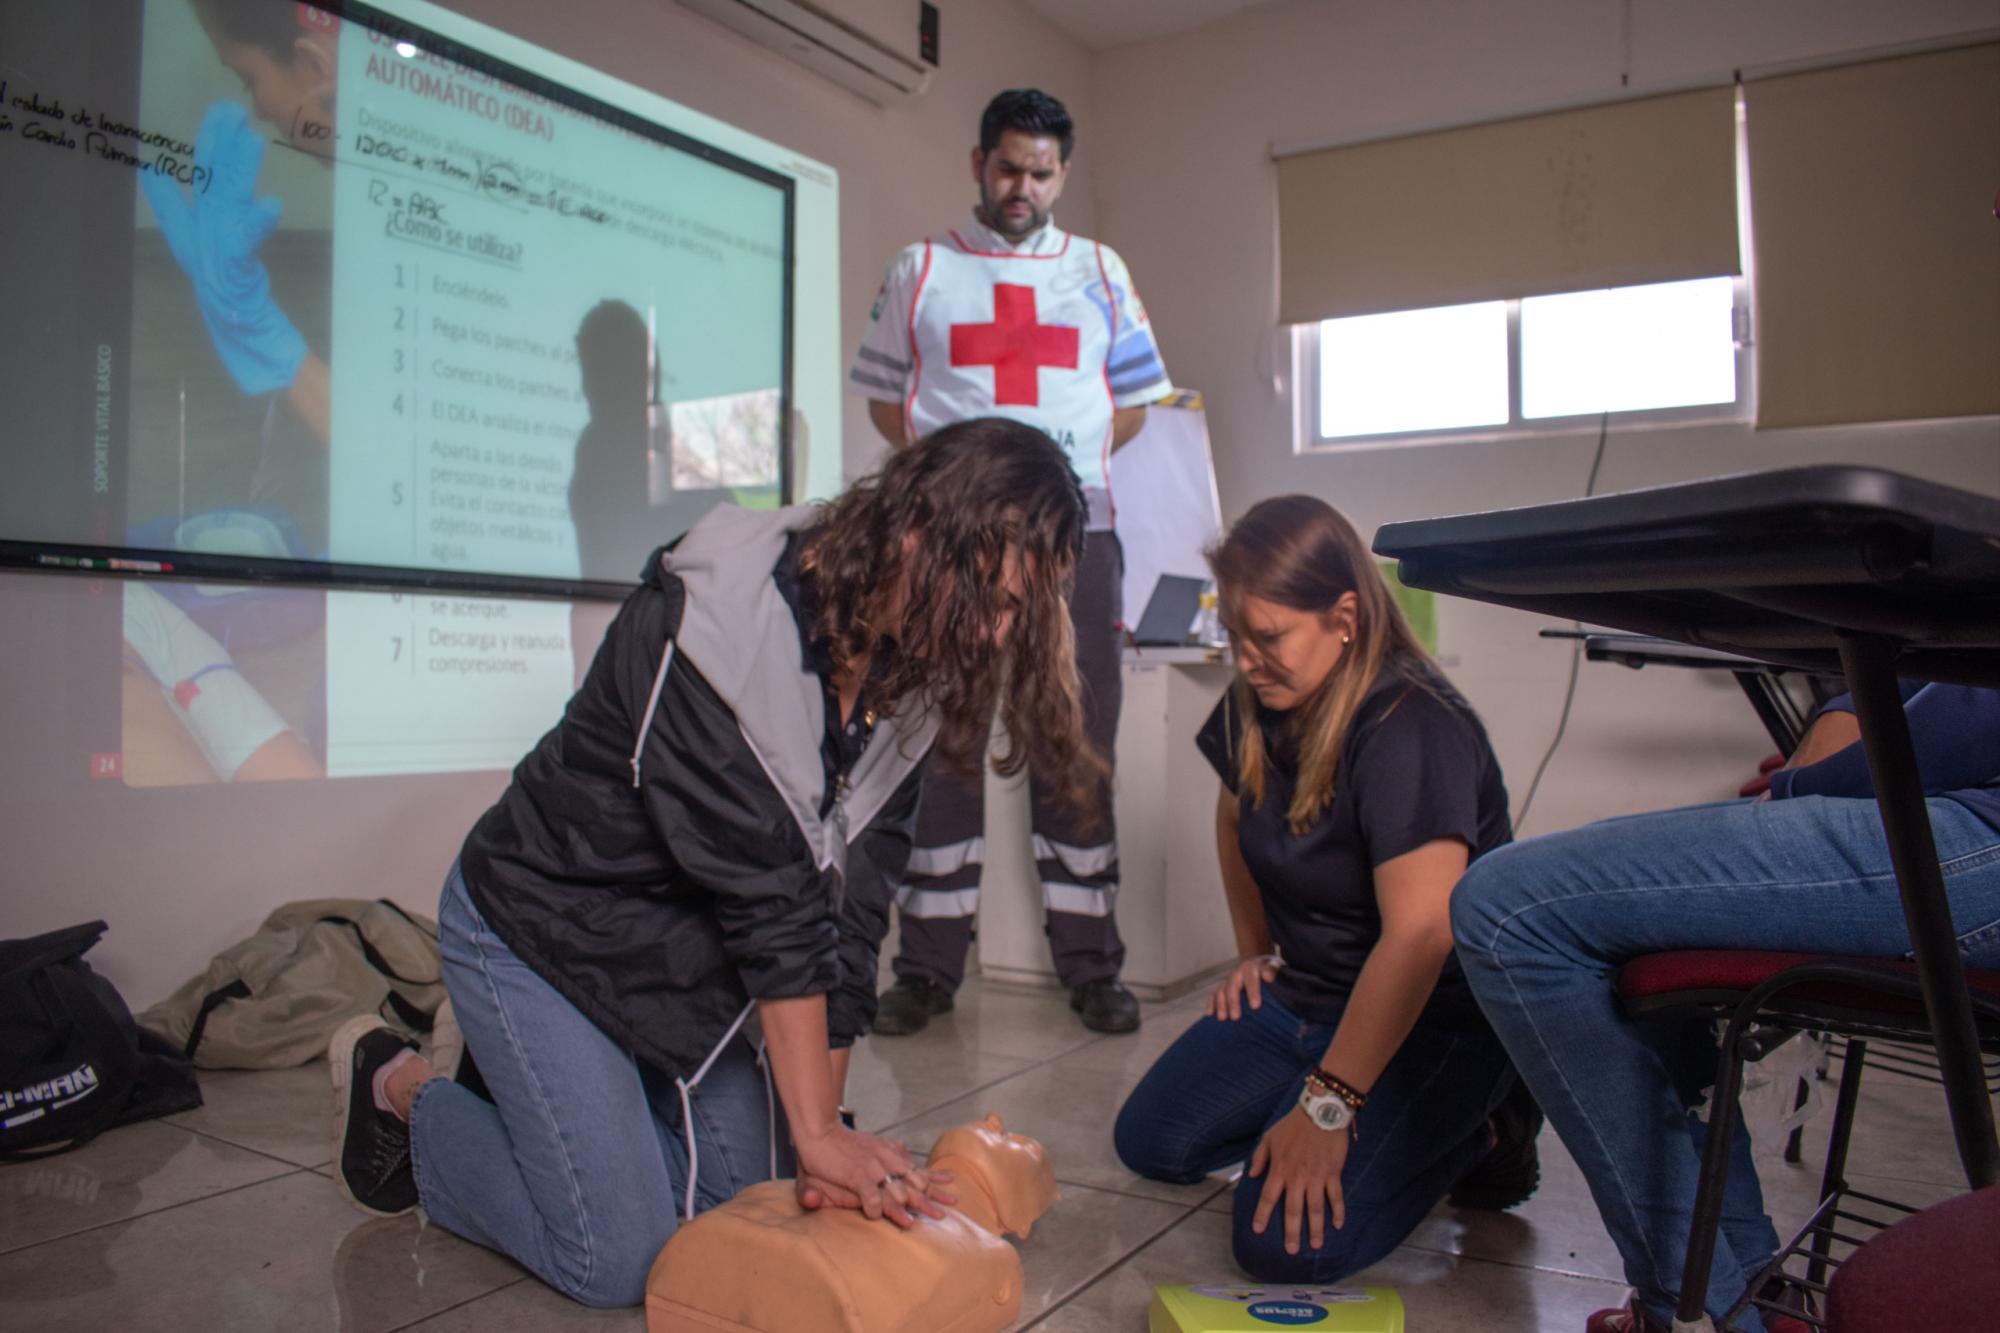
761, 1262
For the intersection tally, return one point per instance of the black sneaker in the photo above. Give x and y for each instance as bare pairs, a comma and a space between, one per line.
1511, 1171
1105, 1006
371, 1147
908, 1005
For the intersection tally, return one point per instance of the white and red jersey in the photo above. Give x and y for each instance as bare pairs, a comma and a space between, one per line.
1050, 333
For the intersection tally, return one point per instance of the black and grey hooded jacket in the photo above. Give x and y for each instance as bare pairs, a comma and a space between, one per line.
669, 852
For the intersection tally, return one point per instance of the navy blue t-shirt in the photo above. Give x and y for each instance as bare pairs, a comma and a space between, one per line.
1415, 767
1955, 730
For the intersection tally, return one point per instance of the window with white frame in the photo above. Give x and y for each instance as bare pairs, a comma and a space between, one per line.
1672, 351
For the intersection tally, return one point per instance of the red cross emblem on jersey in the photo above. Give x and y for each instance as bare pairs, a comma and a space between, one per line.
1015, 345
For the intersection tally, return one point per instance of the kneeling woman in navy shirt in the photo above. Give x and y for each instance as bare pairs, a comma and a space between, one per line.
1344, 1056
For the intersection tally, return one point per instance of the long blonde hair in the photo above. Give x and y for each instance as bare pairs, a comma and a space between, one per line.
1300, 553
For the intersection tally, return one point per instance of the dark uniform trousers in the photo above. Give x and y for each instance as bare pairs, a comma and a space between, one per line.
1077, 861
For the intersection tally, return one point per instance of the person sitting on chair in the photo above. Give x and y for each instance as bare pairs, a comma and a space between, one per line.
1543, 927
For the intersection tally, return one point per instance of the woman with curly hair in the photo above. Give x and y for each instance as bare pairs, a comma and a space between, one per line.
661, 941
1343, 1057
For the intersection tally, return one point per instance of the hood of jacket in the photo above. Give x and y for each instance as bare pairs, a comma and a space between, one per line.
738, 631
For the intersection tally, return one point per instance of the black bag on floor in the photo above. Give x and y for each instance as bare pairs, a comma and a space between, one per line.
72, 1061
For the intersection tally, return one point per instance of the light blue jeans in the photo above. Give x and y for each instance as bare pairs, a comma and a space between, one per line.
1543, 926
577, 1168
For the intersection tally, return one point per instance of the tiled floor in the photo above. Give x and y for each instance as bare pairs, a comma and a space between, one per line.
224, 1218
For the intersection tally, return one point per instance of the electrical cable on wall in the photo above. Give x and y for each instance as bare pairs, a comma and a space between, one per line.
1575, 652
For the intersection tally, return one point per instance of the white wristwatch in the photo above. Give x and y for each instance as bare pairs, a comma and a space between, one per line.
1325, 1109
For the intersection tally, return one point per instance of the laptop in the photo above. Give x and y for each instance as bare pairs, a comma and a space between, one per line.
1170, 612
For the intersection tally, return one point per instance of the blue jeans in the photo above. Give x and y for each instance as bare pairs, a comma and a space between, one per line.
1208, 1101
578, 1166
1543, 926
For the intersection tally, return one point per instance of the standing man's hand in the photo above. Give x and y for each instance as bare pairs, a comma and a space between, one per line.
1125, 423
888, 419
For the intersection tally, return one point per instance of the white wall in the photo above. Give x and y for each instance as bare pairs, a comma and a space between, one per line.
1186, 191
180, 873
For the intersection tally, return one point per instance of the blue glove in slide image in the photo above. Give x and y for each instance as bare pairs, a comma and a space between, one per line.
214, 234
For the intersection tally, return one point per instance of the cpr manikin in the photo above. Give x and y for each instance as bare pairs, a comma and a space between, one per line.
761, 1262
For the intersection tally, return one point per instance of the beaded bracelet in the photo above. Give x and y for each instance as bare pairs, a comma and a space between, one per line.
1354, 1098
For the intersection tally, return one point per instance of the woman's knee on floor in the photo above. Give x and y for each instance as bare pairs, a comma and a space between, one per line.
1264, 1259
1152, 1142
611, 1273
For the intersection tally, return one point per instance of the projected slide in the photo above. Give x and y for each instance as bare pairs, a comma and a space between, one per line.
486, 241
297, 289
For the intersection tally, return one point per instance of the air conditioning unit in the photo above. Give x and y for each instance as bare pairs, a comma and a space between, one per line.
868, 47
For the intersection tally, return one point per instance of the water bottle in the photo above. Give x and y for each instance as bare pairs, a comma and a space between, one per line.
1208, 631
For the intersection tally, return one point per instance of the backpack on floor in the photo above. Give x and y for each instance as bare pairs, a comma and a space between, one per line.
72, 1061
273, 1000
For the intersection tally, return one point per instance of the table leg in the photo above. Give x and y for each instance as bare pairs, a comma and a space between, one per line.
1892, 764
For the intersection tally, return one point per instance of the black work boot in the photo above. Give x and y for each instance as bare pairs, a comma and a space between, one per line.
908, 1005
1512, 1168
1105, 1006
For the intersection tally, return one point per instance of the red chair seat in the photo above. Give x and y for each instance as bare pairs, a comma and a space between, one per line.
1720, 977
1937, 1269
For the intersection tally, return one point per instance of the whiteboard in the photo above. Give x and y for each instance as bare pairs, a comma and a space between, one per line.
1163, 490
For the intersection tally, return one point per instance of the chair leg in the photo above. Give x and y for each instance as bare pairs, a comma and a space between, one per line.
1706, 1222
1834, 1179
1797, 1136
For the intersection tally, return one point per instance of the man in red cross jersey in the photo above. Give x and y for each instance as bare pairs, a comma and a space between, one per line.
1008, 315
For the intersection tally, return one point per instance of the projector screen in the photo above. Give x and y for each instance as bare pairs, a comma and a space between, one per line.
321, 294
329, 323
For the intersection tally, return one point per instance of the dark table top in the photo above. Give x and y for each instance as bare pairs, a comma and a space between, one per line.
1772, 565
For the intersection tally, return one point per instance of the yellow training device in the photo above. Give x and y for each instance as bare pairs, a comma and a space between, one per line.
1212, 1308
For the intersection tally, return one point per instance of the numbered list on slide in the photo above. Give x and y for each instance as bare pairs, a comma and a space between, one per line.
456, 411
476, 224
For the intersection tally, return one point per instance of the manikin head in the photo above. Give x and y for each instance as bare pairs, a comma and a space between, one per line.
1004, 1181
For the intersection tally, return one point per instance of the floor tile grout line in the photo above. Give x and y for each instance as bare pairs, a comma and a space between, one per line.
214, 1137
1508, 1263
163, 1208
992, 1083
1117, 1192
1112, 1267
460, 1305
